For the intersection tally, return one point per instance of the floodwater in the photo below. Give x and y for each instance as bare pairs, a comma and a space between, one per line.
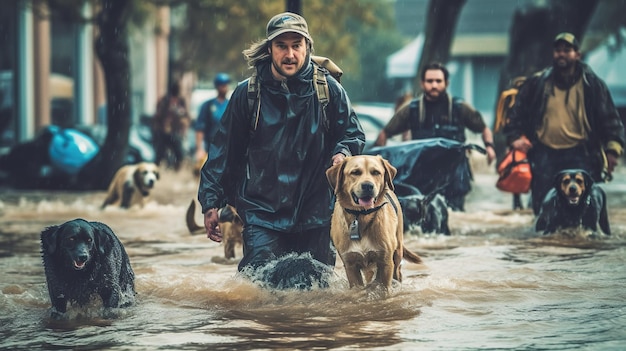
493, 284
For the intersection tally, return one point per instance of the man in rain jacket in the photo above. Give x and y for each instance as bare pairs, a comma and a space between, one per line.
564, 117
269, 161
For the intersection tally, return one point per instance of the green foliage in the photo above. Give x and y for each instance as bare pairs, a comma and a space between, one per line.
357, 34
208, 36
375, 41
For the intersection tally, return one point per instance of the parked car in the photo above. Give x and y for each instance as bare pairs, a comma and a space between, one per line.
373, 117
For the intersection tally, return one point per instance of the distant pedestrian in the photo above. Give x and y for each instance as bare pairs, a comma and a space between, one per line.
170, 126
210, 115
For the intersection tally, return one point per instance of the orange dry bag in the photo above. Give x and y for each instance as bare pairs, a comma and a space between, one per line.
514, 173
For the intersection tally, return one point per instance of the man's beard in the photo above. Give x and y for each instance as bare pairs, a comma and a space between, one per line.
431, 97
562, 77
283, 73
562, 64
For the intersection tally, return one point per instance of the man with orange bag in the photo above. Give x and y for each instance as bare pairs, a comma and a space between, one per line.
568, 115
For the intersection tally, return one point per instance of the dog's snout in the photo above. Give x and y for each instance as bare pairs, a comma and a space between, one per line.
83, 258
367, 186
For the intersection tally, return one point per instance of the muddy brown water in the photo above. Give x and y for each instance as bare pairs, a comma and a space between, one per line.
493, 284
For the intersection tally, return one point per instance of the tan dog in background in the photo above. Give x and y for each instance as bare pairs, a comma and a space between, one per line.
230, 225
131, 185
367, 222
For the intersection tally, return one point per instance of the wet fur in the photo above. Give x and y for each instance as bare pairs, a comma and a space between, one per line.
574, 201
377, 255
295, 271
82, 259
230, 223
429, 212
131, 185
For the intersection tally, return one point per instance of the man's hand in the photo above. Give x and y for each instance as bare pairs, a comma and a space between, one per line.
491, 154
522, 144
611, 159
338, 158
200, 155
213, 231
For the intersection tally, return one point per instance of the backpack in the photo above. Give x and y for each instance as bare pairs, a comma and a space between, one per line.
321, 65
506, 102
449, 130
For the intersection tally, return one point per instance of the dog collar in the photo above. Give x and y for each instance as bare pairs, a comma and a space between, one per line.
355, 232
364, 212
372, 210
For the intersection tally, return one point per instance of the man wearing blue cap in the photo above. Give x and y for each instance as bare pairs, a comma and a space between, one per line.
210, 114
568, 116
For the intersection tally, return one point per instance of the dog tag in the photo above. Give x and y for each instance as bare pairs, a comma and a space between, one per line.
354, 230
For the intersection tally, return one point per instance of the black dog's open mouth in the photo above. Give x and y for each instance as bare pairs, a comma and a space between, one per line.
365, 201
573, 199
79, 265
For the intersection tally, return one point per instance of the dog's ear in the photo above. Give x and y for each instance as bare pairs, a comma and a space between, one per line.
588, 179
390, 172
335, 175
102, 237
557, 179
137, 176
49, 238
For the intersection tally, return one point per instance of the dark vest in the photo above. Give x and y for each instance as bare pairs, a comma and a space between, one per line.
452, 129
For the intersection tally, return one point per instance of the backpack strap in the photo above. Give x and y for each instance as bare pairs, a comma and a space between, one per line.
254, 100
321, 89
323, 93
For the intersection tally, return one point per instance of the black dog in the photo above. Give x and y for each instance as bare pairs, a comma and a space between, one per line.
429, 212
574, 201
82, 259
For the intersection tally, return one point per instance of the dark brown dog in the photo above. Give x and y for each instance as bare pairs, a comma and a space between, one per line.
574, 201
83, 259
230, 225
367, 222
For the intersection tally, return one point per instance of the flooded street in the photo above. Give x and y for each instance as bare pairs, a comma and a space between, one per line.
493, 284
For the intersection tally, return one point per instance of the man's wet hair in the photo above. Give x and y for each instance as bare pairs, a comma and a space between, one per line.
436, 66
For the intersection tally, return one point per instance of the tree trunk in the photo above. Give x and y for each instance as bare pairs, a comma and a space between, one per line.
112, 50
533, 30
441, 20
294, 6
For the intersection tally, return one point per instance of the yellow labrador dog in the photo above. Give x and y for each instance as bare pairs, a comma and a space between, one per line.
367, 222
131, 185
